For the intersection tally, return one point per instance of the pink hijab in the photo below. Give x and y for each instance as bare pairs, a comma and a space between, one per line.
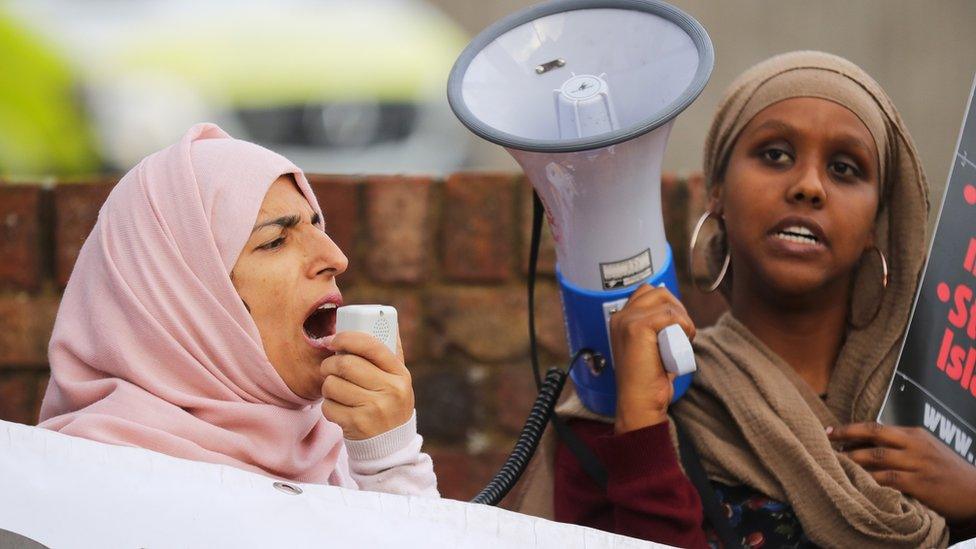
154, 348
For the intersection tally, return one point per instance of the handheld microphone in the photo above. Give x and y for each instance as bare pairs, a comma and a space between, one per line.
379, 321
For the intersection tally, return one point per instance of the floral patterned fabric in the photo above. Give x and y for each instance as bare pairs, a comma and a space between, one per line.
758, 520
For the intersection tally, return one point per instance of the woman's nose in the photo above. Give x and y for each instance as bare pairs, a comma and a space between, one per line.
808, 188
326, 257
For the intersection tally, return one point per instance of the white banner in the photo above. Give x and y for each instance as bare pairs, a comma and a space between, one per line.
65, 492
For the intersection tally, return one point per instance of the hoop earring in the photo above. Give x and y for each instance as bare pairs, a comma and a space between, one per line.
884, 268
884, 286
691, 254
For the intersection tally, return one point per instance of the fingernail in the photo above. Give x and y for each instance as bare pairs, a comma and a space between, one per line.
327, 341
829, 430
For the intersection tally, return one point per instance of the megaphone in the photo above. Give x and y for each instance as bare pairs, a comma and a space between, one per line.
583, 94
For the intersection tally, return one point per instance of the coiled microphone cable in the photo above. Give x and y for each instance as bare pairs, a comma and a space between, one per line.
528, 440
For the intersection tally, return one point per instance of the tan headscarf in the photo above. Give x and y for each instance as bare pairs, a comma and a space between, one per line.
751, 417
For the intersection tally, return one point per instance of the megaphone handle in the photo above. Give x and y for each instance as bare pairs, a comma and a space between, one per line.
676, 352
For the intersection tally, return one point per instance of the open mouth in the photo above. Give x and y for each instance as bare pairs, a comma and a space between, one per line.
321, 322
795, 233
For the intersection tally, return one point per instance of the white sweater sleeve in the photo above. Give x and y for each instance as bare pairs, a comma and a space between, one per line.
392, 462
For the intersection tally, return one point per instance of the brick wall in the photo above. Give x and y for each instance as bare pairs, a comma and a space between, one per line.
450, 254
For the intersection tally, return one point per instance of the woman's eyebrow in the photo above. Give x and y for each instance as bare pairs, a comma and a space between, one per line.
853, 142
774, 125
285, 222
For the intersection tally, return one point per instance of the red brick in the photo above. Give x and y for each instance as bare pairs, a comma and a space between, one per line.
478, 227
547, 246
487, 324
514, 394
438, 346
550, 325
26, 323
20, 230
76, 208
17, 393
461, 475
445, 402
397, 216
409, 315
339, 198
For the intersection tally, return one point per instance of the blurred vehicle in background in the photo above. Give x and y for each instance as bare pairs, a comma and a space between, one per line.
42, 130
337, 86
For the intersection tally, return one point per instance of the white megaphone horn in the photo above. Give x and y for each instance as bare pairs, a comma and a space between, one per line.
583, 94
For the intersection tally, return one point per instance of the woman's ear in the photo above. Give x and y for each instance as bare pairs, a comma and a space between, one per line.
716, 202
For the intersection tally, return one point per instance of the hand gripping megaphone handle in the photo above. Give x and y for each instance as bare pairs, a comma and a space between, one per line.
672, 343
676, 352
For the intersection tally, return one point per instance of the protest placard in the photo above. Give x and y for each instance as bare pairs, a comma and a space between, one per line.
934, 384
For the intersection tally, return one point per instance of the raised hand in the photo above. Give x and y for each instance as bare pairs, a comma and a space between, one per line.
367, 389
644, 388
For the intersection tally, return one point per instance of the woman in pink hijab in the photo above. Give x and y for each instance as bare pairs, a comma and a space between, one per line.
198, 322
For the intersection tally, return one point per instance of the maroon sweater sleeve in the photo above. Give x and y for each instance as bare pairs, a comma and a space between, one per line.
647, 495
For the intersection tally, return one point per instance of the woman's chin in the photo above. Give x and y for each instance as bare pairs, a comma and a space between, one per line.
312, 385
794, 281
306, 375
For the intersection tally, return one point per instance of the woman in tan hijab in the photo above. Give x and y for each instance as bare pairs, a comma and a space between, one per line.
821, 204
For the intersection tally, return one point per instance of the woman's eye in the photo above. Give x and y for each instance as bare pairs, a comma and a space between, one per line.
276, 243
776, 156
844, 169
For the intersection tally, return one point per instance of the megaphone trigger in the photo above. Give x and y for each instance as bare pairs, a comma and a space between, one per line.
676, 352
